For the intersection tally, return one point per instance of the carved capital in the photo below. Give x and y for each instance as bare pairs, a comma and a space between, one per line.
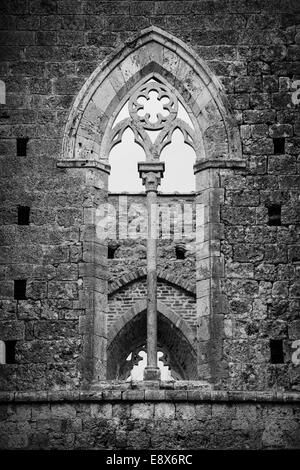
151, 174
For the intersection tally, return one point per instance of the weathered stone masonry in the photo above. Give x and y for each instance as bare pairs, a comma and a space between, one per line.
68, 66
150, 419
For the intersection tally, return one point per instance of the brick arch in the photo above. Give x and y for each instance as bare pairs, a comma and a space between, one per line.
137, 274
128, 334
140, 306
153, 52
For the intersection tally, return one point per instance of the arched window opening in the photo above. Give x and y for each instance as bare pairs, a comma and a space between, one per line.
124, 159
179, 159
152, 124
138, 361
154, 127
174, 350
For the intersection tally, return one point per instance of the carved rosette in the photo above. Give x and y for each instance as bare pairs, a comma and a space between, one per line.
143, 119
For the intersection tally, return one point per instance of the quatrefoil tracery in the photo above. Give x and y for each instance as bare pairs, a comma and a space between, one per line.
142, 123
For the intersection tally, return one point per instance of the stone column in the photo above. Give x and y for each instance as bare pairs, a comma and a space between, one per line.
151, 174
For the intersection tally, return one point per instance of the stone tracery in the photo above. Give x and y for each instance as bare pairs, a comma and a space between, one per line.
143, 125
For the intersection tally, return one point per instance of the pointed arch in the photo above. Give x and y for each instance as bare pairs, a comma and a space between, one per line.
155, 53
128, 334
140, 273
140, 306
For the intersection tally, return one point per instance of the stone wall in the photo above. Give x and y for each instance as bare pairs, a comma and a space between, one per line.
149, 419
261, 279
174, 230
47, 253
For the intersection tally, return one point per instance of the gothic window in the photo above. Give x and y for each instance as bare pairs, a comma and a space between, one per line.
152, 125
165, 102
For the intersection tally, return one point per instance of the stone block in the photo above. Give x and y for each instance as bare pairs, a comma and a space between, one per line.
176, 395
133, 395
203, 305
204, 328
142, 411
12, 330
247, 84
258, 116
36, 290
164, 411
280, 289
247, 252
185, 411
275, 254
46, 329
6, 290
294, 253
101, 410
295, 290
282, 164
121, 411
62, 290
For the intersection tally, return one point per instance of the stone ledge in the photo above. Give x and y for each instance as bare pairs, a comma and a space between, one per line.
221, 163
83, 164
150, 395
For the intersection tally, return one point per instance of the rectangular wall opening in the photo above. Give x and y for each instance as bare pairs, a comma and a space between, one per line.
276, 349
10, 352
23, 215
274, 213
22, 146
279, 145
111, 250
20, 289
180, 252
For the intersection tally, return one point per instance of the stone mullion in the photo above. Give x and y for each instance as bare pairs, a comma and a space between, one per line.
151, 284
151, 173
